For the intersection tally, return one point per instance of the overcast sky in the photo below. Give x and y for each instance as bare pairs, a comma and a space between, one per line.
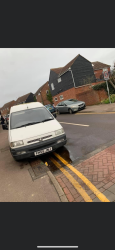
25, 70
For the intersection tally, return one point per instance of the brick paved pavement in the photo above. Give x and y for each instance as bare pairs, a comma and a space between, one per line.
99, 169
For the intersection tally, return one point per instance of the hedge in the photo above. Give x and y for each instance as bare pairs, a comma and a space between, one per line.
104, 86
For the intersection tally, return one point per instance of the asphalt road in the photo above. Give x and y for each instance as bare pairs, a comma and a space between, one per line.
82, 140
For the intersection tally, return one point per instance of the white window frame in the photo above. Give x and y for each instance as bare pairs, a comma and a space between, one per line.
59, 80
47, 92
61, 97
52, 86
55, 99
38, 93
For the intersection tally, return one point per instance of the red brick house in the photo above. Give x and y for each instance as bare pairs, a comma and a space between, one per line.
98, 69
70, 82
6, 108
41, 94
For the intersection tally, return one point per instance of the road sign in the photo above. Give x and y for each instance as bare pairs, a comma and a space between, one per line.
106, 77
106, 74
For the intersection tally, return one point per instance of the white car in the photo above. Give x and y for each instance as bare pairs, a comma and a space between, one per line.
33, 131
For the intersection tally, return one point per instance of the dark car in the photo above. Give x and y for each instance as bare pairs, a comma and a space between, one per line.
50, 108
70, 106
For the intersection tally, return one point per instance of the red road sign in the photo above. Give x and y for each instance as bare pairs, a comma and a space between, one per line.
106, 74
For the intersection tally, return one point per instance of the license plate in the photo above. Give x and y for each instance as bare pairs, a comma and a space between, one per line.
43, 151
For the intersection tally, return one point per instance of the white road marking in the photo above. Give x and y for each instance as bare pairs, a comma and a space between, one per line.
75, 124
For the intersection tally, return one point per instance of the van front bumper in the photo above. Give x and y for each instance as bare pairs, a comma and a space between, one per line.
32, 148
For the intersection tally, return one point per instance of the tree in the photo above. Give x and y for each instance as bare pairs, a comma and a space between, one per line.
49, 97
35, 99
88, 80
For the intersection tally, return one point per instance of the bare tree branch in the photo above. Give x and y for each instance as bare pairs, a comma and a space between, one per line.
112, 84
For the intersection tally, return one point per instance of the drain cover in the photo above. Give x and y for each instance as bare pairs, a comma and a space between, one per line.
38, 169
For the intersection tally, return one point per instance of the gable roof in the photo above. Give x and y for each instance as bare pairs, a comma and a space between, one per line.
67, 66
57, 70
41, 88
8, 104
62, 70
22, 98
99, 65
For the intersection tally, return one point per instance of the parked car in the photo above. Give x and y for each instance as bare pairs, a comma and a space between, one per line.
70, 106
33, 131
7, 119
52, 109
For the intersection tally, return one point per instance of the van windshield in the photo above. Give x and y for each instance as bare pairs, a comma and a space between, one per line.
29, 117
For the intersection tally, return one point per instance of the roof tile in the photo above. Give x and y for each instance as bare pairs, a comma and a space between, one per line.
41, 88
99, 65
22, 98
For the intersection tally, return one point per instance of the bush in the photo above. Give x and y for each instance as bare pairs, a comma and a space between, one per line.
106, 101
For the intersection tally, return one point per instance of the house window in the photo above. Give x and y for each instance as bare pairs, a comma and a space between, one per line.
38, 93
59, 79
47, 91
61, 97
55, 99
52, 86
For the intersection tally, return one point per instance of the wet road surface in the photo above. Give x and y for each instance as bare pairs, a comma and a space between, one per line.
82, 140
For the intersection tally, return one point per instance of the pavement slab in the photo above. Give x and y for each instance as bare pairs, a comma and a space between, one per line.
101, 173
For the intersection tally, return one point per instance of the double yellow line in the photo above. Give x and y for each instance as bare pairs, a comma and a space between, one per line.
82, 192
94, 113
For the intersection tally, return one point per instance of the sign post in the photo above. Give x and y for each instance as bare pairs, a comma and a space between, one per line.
106, 77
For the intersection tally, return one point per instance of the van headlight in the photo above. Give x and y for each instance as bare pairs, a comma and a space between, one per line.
16, 143
59, 132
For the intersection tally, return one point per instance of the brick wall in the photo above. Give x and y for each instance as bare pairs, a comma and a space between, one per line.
70, 93
99, 72
92, 97
83, 93
42, 97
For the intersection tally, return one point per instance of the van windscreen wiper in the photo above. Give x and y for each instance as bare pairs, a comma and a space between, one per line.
47, 120
27, 124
